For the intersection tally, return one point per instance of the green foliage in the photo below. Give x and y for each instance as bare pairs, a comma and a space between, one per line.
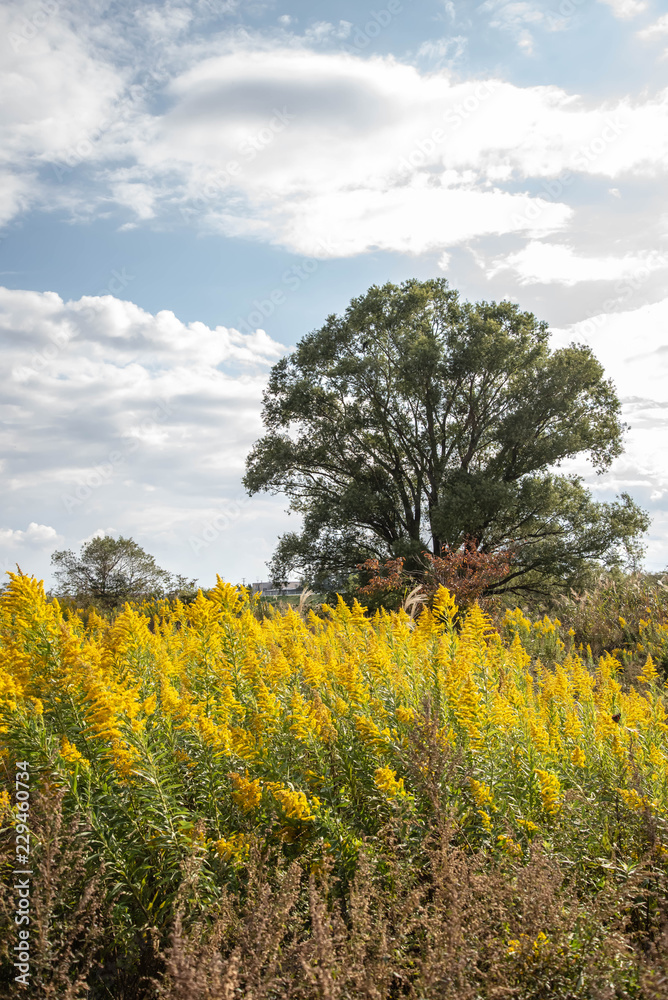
416, 420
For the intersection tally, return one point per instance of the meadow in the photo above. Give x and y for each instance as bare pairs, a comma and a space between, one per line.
231, 800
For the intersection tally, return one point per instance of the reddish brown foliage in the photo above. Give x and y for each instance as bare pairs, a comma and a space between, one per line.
467, 572
388, 576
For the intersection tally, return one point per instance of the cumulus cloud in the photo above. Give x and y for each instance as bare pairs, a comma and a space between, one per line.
20, 547
561, 264
517, 18
655, 30
631, 345
271, 138
117, 415
637, 363
35, 534
56, 92
626, 9
265, 143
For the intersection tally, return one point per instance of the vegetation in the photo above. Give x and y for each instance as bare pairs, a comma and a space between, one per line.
417, 421
338, 805
468, 572
110, 571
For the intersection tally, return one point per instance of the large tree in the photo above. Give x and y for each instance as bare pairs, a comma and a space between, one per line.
417, 420
110, 571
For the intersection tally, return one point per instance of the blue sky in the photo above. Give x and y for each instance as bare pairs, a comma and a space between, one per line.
186, 189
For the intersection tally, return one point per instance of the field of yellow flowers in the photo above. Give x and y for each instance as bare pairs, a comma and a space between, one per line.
214, 733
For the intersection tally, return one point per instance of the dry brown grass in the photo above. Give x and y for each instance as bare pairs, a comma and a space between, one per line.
67, 915
442, 934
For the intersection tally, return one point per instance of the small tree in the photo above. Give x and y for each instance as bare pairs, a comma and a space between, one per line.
110, 571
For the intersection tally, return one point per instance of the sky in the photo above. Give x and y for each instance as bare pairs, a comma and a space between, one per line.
189, 188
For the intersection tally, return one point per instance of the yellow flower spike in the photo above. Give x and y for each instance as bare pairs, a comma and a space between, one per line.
247, 793
482, 794
70, 753
578, 758
235, 848
385, 779
444, 608
5, 803
636, 802
509, 845
486, 820
370, 732
150, 704
550, 791
539, 944
529, 827
294, 805
649, 674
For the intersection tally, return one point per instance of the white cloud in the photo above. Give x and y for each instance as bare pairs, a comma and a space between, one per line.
626, 9
42, 535
374, 146
444, 51
515, 17
655, 30
100, 375
632, 347
127, 418
322, 31
165, 22
55, 93
552, 263
272, 140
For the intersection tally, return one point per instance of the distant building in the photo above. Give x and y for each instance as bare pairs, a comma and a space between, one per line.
265, 587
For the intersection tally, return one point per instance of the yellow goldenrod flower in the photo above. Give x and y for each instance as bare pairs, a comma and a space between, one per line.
639, 803
70, 753
550, 791
150, 704
486, 820
649, 673
294, 805
539, 944
482, 793
509, 845
247, 793
385, 779
234, 848
5, 802
370, 732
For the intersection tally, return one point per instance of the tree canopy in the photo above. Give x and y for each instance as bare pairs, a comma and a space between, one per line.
418, 420
110, 571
